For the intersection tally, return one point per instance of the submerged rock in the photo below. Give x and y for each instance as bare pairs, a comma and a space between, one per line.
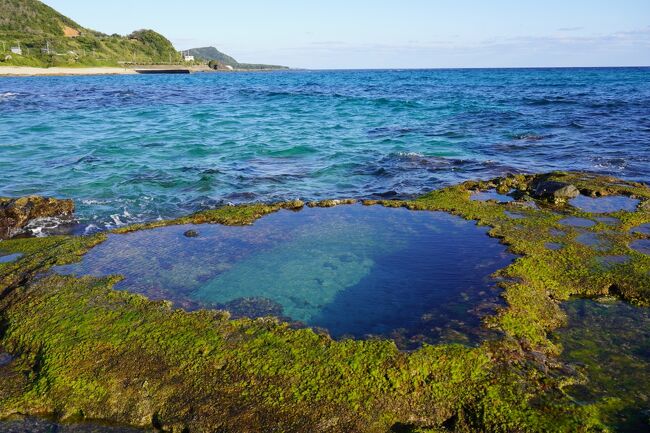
191, 234
16, 213
254, 307
554, 190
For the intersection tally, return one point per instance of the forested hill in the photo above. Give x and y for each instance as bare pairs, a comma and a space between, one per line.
47, 38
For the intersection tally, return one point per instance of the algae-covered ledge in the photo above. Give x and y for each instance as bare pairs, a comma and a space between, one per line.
82, 350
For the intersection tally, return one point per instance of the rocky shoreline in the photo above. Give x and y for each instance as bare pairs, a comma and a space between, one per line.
17, 213
80, 350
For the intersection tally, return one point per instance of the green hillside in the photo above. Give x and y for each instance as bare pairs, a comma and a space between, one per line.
48, 38
221, 59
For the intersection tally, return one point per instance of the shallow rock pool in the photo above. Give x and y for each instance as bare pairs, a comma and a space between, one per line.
613, 203
353, 270
609, 342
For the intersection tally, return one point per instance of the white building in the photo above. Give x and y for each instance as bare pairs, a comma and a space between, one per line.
188, 58
17, 50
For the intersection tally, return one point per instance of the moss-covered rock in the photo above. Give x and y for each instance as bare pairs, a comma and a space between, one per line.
84, 350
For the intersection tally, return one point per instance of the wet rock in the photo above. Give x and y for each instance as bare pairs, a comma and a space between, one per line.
554, 190
645, 205
293, 205
503, 188
16, 213
331, 203
191, 234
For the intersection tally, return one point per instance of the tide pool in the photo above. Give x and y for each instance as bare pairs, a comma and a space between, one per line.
355, 271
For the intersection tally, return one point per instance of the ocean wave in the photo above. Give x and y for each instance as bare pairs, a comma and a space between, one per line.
529, 136
550, 100
46, 226
8, 96
609, 164
408, 155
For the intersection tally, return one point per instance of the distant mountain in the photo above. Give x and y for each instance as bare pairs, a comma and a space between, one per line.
213, 54
48, 38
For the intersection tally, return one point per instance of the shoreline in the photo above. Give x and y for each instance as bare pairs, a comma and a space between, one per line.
31, 71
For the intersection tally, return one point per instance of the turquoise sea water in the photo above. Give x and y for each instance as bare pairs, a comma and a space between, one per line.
134, 148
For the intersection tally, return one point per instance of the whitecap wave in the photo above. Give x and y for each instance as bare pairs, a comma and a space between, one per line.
41, 227
7, 96
409, 154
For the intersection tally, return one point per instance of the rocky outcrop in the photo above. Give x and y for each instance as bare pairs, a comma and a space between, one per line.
16, 213
555, 191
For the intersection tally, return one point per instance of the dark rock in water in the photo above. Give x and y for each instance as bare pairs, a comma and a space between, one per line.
16, 213
191, 234
554, 190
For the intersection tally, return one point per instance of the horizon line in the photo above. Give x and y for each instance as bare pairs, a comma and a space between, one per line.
460, 68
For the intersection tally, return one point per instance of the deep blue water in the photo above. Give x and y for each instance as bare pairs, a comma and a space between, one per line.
132, 148
353, 270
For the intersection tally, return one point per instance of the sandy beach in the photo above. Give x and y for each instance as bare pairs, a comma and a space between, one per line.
22, 71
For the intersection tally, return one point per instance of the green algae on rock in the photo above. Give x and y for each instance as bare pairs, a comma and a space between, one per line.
615, 364
84, 350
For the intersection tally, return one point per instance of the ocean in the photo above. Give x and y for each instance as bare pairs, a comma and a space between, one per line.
137, 148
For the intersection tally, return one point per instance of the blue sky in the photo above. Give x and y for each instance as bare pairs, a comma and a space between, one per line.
390, 33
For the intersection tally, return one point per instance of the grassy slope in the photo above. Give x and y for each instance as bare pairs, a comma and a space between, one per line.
33, 24
86, 350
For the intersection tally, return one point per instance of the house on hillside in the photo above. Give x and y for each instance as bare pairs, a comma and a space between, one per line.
188, 58
17, 50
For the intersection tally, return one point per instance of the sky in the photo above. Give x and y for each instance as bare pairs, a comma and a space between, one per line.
340, 34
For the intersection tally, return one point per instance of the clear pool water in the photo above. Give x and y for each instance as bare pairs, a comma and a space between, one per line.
353, 270
612, 203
